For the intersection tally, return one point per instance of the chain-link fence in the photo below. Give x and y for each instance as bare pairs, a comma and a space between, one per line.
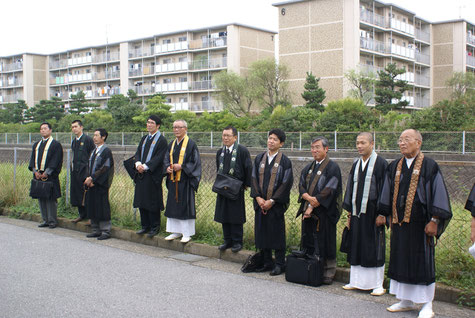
454, 142
15, 180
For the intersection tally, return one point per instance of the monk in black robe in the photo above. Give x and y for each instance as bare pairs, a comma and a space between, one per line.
320, 206
272, 180
148, 182
183, 165
232, 159
415, 197
46, 161
470, 206
367, 234
81, 147
98, 182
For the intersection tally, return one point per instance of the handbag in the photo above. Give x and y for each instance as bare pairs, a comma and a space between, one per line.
40, 189
253, 262
345, 246
227, 186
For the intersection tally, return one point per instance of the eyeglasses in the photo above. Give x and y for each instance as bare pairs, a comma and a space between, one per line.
227, 136
178, 127
405, 140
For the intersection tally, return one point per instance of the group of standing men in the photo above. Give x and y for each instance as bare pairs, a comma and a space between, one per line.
409, 195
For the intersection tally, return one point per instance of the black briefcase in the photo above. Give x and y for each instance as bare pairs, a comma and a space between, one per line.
345, 246
304, 269
228, 186
40, 189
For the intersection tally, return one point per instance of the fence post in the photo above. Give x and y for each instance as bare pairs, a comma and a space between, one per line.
6, 138
463, 142
300, 140
68, 168
14, 169
211, 140
374, 139
29, 138
122, 139
17, 138
56, 136
239, 135
336, 148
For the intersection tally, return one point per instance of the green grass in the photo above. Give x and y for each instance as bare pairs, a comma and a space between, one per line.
454, 265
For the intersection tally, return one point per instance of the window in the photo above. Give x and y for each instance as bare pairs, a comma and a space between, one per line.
168, 100
167, 41
182, 39
182, 59
167, 80
183, 79
88, 53
183, 99
166, 61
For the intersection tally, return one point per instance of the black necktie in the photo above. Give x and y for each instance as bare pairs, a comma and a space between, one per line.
227, 151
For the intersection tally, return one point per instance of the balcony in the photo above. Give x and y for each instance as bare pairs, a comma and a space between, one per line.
471, 60
108, 57
409, 99
11, 98
135, 72
422, 80
107, 92
372, 45
422, 35
471, 39
366, 69
202, 106
179, 106
171, 67
208, 43
402, 51
208, 64
58, 64
144, 89
171, 87
107, 75
17, 66
171, 47
202, 85
87, 94
11, 82
80, 60
372, 18
422, 58
402, 26
408, 77
422, 102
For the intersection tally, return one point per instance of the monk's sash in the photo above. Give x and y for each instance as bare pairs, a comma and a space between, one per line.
275, 167
45, 154
98, 155
177, 177
152, 146
416, 172
367, 184
233, 160
311, 187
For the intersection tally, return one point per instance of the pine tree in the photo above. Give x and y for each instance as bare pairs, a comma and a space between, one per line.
313, 94
389, 90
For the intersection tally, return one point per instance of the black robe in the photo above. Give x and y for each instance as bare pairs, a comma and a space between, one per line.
97, 197
269, 229
412, 251
234, 211
328, 193
53, 164
81, 150
185, 208
148, 185
470, 205
368, 241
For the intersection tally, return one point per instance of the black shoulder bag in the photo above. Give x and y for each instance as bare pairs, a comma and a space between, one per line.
226, 184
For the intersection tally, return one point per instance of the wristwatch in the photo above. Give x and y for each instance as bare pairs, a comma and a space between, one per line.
272, 200
436, 221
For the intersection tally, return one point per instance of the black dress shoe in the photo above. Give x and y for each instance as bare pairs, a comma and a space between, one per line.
142, 231
224, 246
44, 224
327, 281
277, 270
153, 232
94, 234
52, 226
236, 248
264, 268
104, 236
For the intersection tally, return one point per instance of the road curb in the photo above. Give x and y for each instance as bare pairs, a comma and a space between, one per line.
442, 292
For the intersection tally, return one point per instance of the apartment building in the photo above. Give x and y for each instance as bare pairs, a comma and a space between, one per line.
180, 65
330, 37
454, 51
23, 76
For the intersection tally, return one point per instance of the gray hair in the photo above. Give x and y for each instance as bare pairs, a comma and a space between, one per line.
182, 121
416, 132
323, 139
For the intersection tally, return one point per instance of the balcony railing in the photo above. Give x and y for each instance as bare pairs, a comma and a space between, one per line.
422, 102
171, 67
372, 18
202, 85
58, 64
422, 80
11, 82
87, 94
107, 75
170, 47
80, 60
11, 67
11, 98
144, 89
402, 51
107, 92
364, 68
171, 87
402, 26
208, 64
422, 35
107, 57
408, 77
471, 60
201, 106
471, 39
135, 72
208, 43
373, 45
422, 58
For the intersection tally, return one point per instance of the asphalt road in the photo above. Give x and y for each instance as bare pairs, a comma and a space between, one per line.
61, 273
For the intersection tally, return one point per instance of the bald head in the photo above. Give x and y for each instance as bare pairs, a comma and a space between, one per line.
367, 135
414, 132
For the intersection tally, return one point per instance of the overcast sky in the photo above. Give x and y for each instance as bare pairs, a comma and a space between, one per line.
51, 26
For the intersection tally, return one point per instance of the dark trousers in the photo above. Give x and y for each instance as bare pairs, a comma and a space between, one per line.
232, 233
150, 220
279, 257
82, 212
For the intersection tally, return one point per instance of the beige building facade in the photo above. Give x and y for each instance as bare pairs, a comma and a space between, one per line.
331, 37
181, 65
